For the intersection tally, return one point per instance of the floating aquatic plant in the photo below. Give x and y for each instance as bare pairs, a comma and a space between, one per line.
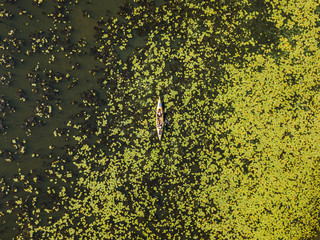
239, 158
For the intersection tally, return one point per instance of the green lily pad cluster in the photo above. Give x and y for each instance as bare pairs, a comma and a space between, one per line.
239, 158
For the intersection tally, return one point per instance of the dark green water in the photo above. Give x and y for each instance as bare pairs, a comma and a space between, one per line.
39, 139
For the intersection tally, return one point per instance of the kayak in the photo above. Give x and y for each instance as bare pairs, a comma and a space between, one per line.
160, 119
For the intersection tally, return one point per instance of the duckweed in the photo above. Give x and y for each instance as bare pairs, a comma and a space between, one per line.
239, 158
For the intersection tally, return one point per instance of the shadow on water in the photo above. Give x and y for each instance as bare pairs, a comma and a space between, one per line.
166, 118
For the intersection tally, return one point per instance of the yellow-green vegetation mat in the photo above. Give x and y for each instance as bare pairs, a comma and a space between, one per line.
240, 154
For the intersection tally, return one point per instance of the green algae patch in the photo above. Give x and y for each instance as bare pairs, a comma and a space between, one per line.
239, 158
